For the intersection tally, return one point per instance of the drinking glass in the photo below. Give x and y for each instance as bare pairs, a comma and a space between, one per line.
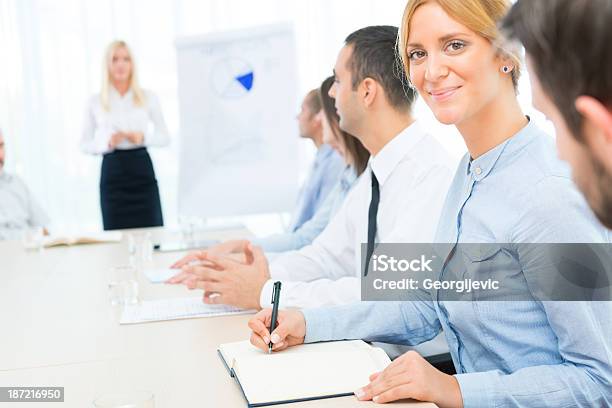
123, 286
140, 247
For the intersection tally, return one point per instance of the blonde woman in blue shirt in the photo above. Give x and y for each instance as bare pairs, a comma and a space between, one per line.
509, 189
120, 123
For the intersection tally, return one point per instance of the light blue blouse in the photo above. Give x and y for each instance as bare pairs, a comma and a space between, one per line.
304, 235
507, 353
324, 174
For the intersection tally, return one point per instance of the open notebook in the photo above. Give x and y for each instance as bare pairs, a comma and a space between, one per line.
94, 238
301, 373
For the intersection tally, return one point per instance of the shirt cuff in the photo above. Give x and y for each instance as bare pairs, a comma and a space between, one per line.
147, 136
100, 144
477, 389
265, 297
318, 325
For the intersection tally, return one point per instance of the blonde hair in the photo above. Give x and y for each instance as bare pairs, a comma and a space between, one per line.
480, 16
139, 98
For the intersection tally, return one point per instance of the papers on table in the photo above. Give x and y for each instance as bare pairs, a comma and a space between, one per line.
93, 238
172, 309
160, 275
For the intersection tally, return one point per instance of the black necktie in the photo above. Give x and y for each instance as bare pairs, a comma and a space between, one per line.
372, 222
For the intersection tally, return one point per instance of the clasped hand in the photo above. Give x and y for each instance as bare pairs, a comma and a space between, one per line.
223, 278
136, 138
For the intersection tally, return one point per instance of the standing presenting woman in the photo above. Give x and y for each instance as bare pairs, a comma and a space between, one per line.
120, 122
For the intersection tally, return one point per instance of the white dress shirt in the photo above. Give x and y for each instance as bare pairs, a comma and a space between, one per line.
414, 172
125, 116
18, 208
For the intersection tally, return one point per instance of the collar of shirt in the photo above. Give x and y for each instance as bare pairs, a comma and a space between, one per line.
395, 151
116, 95
323, 152
348, 177
481, 167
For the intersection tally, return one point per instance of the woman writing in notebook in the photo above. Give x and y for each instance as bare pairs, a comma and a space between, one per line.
509, 189
120, 122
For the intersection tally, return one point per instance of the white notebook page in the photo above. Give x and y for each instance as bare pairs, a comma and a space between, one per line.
307, 371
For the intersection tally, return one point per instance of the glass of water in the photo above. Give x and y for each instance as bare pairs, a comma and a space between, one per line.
140, 247
190, 225
123, 286
133, 399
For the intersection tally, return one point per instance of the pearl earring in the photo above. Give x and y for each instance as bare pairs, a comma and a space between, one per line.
505, 69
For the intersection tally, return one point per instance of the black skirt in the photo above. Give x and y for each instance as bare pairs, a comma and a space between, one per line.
129, 196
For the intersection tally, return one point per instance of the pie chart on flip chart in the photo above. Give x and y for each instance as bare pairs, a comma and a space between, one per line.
232, 78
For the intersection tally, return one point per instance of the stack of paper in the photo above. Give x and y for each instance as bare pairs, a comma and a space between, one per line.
94, 238
172, 309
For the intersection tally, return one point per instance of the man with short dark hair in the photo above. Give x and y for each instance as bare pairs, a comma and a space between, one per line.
397, 199
18, 208
326, 168
569, 57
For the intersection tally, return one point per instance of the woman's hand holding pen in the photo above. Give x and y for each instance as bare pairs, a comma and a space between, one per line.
290, 331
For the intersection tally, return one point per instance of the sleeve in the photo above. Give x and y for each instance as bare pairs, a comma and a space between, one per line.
321, 292
94, 139
330, 256
36, 215
158, 136
410, 322
304, 235
556, 212
581, 379
330, 177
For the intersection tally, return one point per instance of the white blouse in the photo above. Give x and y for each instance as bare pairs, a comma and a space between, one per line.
125, 116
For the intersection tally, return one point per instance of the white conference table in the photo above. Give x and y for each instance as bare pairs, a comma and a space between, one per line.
59, 329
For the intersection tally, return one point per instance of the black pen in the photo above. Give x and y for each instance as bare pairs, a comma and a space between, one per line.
275, 297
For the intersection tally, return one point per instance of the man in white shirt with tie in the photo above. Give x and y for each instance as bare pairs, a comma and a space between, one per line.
18, 208
398, 199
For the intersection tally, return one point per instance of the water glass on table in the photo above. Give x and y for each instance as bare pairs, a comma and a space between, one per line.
140, 248
123, 286
190, 225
